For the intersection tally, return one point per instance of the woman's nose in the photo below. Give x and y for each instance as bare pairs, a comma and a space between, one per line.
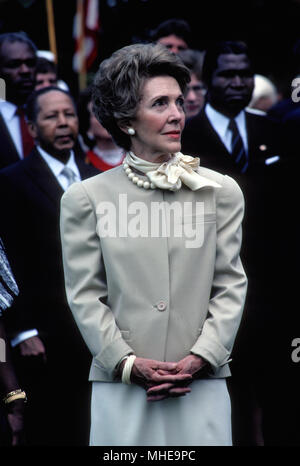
176, 112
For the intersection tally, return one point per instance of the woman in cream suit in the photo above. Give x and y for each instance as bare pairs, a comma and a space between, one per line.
152, 268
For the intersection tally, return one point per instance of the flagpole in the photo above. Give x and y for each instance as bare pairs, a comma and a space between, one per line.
51, 28
81, 42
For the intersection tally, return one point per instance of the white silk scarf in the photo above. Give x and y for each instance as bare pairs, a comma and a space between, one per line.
171, 174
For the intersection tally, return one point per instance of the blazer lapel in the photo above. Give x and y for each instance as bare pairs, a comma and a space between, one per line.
43, 177
258, 141
85, 170
251, 132
214, 141
214, 153
9, 153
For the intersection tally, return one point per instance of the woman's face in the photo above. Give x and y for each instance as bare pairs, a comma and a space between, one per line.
159, 119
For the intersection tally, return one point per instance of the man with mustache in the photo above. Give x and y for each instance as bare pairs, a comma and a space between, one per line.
17, 69
30, 193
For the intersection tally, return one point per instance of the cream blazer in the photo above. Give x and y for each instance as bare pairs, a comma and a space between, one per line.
136, 282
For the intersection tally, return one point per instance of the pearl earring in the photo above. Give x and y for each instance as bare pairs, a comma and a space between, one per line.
131, 131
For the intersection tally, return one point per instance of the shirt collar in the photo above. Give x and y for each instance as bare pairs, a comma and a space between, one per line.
8, 110
56, 165
220, 121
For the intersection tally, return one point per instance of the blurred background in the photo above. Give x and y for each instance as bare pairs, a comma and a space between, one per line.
270, 29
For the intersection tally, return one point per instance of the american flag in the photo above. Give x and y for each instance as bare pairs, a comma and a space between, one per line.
86, 34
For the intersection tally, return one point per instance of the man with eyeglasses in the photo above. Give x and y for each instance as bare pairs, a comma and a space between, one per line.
17, 69
196, 90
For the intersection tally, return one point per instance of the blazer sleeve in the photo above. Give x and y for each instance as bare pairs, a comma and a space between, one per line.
85, 280
229, 284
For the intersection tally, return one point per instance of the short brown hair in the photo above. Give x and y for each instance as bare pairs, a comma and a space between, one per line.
117, 84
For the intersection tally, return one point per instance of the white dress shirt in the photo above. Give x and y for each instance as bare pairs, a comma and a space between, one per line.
8, 111
56, 167
220, 124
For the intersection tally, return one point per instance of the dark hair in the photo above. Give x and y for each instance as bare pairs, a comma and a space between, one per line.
193, 60
213, 52
16, 37
45, 66
178, 27
84, 98
31, 106
116, 91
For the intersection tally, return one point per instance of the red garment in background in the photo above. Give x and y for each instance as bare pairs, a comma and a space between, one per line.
27, 139
99, 163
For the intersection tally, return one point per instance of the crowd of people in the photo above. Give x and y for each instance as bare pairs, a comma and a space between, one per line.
170, 317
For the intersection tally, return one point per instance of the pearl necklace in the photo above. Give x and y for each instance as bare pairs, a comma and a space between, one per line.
136, 179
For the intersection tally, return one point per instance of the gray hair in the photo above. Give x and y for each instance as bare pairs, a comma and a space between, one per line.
116, 90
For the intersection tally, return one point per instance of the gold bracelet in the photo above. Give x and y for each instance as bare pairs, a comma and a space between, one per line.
14, 392
15, 395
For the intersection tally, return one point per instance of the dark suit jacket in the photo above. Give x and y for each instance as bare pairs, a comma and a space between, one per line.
200, 139
30, 207
264, 142
8, 151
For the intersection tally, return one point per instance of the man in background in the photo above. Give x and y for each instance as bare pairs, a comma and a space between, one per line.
175, 34
242, 143
45, 73
17, 69
51, 358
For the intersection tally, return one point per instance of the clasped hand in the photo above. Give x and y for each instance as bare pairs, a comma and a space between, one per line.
166, 379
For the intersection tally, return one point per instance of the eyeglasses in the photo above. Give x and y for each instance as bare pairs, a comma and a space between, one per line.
13, 64
197, 88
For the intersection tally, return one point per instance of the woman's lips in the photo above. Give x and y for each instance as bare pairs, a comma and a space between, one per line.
173, 134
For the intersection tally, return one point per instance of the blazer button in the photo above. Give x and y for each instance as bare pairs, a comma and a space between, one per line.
161, 306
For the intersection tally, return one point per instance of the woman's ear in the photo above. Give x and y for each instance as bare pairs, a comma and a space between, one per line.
127, 128
131, 131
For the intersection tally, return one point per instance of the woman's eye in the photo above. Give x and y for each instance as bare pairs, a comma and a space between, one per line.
180, 102
159, 102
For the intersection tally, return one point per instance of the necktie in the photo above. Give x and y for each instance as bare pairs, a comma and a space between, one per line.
237, 147
69, 174
27, 140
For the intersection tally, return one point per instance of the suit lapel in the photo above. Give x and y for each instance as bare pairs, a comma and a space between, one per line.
251, 132
213, 138
85, 170
9, 153
41, 175
257, 140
